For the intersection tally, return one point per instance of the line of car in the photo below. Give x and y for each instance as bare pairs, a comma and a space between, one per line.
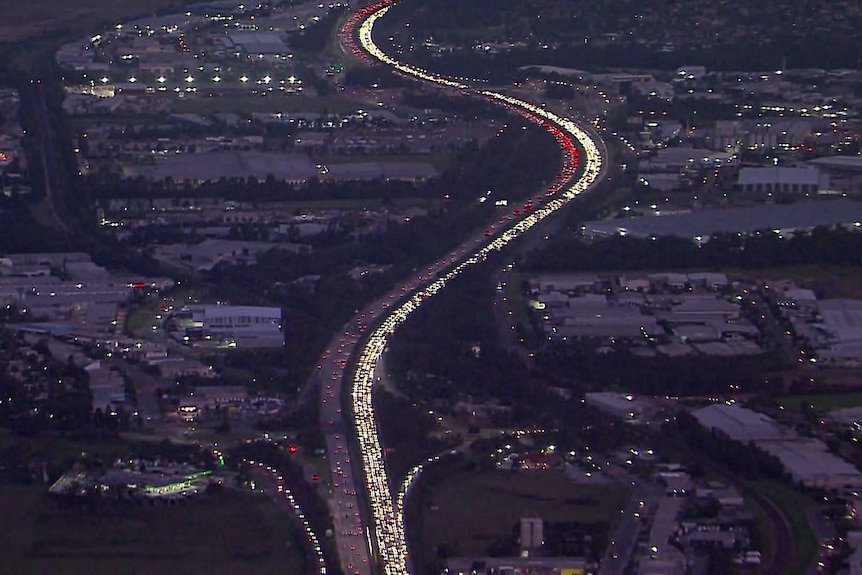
386, 535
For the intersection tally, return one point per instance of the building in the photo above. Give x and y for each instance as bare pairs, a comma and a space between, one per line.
208, 400
739, 423
236, 321
809, 463
781, 180
845, 172
257, 44
807, 460
532, 534
622, 405
700, 225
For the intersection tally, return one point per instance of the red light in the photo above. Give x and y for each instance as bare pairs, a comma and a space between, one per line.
315, 477
292, 449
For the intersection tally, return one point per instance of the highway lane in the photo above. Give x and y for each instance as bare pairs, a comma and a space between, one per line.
272, 482
382, 541
350, 533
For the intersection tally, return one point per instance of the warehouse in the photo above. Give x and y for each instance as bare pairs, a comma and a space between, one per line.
775, 179
807, 460
700, 225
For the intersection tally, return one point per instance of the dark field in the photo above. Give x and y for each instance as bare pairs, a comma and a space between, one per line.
224, 533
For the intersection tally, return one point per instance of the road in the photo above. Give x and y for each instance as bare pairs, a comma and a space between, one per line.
377, 543
350, 533
271, 481
644, 499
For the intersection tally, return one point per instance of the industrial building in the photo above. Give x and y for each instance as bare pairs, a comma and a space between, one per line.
238, 322
845, 172
807, 460
211, 166
256, 43
647, 310
702, 224
532, 535
622, 405
779, 179
833, 326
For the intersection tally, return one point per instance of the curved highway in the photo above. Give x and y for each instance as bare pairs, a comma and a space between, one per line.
381, 546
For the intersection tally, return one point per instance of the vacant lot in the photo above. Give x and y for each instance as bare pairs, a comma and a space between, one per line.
469, 511
226, 533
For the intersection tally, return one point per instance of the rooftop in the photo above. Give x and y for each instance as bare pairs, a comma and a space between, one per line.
705, 223
739, 423
779, 175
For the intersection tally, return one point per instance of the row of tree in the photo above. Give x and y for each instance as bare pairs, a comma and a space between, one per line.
821, 245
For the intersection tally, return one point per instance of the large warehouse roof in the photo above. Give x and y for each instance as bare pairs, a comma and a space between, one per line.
839, 163
704, 223
778, 175
739, 423
810, 462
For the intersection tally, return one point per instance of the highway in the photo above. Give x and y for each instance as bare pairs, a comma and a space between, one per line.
377, 543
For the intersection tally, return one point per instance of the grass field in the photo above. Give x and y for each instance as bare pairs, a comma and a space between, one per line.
286, 104
477, 508
138, 320
225, 533
763, 537
821, 402
794, 506
53, 448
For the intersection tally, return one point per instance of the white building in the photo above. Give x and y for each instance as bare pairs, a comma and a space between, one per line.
807, 460
237, 320
782, 180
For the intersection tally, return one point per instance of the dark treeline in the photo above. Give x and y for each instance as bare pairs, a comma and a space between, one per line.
382, 76
579, 367
449, 347
314, 39
558, 40
463, 107
254, 190
405, 432
821, 245
502, 67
